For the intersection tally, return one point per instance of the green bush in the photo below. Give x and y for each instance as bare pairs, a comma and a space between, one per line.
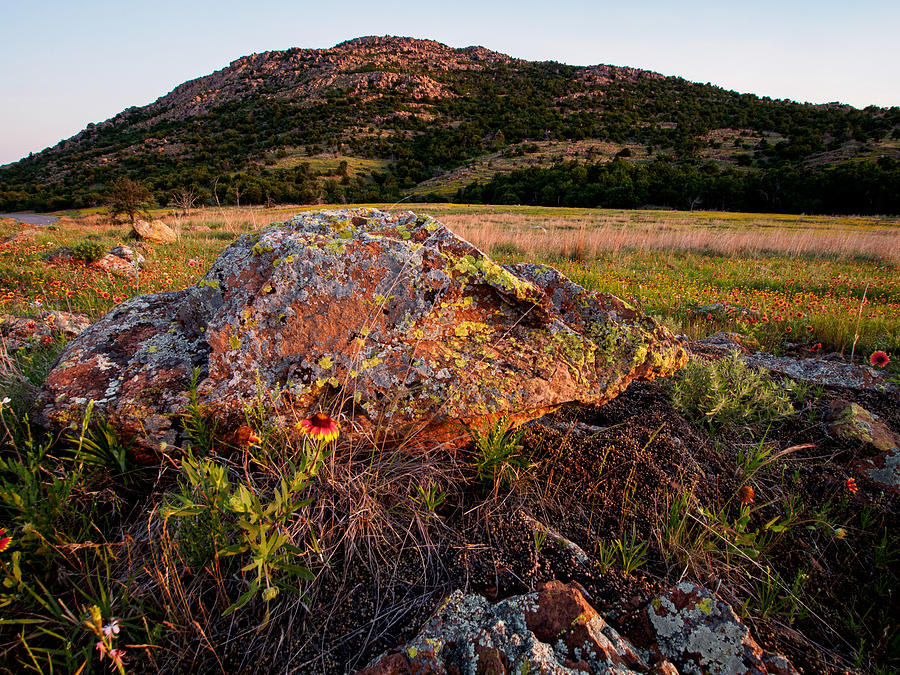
728, 392
88, 251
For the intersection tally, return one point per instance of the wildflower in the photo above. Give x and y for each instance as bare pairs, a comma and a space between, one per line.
117, 656
320, 426
816, 347
5, 539
245, 436
809, 329
879, 359
840, 532
851, 486
112, 628
746, 494
102, 648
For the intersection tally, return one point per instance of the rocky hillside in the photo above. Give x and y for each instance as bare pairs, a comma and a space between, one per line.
381, 117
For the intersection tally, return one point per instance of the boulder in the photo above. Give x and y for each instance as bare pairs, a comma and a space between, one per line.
390, 321
699, 633
854, 424
554, 630
155, 231
120, 260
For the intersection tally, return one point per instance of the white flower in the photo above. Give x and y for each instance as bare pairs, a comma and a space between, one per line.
112, 628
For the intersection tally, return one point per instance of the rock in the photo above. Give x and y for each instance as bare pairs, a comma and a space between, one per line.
554, 630
855, 424
18, 332
720, 344
724, 310
831, 370
154, 231
120, 260
389, 318
699, 633
828, 372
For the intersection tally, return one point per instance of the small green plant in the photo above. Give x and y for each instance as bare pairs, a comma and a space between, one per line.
88, 251
606, 555
430, 496
540, 536
199, 427
631, 552
728, 392
498, 449
244, 523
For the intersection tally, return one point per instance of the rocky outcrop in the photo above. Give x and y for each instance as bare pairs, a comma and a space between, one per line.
27, 332
388, 319
699, 633
154, 231
831, 370
121, 260
854, 424
556, 630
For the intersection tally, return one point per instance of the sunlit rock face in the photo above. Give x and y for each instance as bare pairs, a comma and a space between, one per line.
388, 320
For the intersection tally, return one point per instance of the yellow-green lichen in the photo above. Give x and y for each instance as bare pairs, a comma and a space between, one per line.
326, 362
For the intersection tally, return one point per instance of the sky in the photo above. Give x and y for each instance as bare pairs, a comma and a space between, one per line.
65, 64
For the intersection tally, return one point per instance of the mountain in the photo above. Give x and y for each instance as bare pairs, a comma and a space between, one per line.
377, 118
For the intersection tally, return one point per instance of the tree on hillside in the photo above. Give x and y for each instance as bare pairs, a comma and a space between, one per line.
129, 198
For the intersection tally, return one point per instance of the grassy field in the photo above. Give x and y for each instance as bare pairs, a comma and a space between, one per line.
287, 556
806, 280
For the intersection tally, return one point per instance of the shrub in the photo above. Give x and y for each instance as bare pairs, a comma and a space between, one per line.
728, 392
88, 251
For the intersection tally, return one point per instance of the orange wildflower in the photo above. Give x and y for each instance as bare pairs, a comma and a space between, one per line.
5, 539
746, 494
319, 427
851, 485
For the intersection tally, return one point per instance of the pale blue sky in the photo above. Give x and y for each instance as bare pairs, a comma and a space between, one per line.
65, 64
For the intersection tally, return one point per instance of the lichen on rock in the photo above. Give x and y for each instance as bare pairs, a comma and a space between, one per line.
389, 319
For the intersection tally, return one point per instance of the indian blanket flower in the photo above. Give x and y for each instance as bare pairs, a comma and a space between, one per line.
5, 540
320, 427
245, 436
879, 359
746, 494
851, 485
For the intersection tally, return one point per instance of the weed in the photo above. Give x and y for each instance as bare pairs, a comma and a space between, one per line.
632, 553
728, 392
245, 523
498, 453
430, 496
88, 251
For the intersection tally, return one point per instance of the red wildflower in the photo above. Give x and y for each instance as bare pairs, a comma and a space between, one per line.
851, 485
879, 359
320, 427
5, 539
816, 347
746, 494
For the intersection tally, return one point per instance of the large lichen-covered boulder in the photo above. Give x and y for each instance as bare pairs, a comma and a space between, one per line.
389, 320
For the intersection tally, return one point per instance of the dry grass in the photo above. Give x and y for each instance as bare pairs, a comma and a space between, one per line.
584, 238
